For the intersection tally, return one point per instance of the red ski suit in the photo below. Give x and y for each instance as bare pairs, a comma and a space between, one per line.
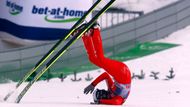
118, 70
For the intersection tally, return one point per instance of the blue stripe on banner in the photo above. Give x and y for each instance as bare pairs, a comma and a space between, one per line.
32, 33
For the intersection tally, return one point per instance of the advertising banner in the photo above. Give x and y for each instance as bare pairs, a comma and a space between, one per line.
40, 19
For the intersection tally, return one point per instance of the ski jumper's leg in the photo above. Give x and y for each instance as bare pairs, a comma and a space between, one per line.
93, 44
88, 43
117, 100
97, 41
114, 68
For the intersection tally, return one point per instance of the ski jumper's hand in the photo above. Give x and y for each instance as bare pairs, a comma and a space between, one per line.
89, 88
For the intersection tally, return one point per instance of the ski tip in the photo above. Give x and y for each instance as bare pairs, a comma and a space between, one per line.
8, 95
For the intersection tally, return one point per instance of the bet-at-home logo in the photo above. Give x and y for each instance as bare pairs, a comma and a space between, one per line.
14, 9
58, 15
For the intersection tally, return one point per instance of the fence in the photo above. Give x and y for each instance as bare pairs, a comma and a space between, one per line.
116, 39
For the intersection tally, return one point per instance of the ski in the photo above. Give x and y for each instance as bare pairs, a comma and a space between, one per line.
82, 30
54, 48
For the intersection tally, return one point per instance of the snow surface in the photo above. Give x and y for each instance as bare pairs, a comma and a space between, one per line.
144, 93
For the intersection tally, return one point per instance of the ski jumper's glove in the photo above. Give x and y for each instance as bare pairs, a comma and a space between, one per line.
89, 88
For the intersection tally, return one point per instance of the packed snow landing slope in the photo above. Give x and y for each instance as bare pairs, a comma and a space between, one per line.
162, 93
144, 93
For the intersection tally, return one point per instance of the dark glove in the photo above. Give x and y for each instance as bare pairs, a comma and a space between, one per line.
88, 89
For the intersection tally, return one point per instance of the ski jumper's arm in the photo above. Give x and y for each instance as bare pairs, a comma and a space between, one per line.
103, 76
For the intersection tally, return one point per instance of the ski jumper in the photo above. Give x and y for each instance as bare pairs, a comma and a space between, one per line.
120, 87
